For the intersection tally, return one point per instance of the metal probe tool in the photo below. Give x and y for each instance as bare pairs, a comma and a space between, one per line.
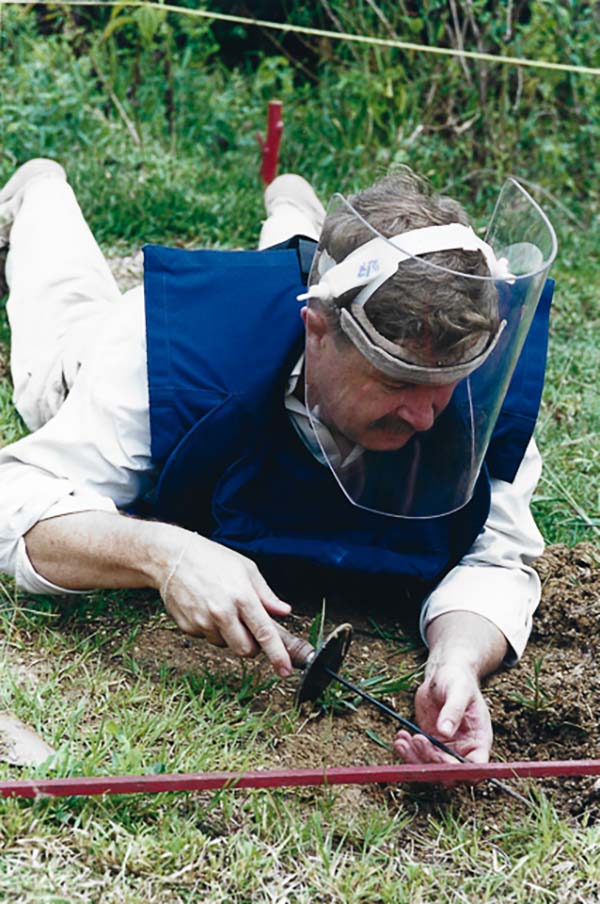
320, 669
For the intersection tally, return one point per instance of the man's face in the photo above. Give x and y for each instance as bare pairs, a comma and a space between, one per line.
360, 402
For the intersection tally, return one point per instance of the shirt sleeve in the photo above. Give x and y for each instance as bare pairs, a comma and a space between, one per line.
495, 579
94, 454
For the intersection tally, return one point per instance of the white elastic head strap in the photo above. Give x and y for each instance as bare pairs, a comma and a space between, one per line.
376, 261
373, 263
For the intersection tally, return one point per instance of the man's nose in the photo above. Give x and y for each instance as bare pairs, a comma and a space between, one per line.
418, 408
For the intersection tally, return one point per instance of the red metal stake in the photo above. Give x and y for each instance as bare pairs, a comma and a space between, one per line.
291, 778
270, 144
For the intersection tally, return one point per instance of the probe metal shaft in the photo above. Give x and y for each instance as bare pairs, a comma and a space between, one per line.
415, 728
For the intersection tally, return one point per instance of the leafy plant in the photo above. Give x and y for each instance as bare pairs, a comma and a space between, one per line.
535, 699
337, 698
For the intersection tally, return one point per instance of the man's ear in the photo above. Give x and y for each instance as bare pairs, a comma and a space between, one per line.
315, 323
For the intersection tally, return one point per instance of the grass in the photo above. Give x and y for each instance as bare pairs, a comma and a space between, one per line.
69, 667
567, 504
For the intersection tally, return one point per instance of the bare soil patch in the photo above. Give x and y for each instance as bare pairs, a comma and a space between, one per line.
542, 709
4, 362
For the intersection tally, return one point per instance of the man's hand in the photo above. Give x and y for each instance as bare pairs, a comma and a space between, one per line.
448, 705
463, 648
217, 593
207, 588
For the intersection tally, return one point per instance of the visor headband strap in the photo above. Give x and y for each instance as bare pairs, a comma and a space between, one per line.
370, 265
397, 368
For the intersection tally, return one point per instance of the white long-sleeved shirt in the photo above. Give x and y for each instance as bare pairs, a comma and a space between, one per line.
94, 454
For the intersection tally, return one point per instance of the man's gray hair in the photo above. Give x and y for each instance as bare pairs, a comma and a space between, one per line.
419, 303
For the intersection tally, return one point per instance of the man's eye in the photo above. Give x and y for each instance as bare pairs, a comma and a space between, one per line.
394, 387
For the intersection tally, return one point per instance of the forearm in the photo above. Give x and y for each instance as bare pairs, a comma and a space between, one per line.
209, 590
94, 549
466, 640
495, 579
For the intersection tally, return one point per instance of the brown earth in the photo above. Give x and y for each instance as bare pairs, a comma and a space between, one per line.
542, 709
4, 367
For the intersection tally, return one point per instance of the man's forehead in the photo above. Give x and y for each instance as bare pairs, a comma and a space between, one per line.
396, 383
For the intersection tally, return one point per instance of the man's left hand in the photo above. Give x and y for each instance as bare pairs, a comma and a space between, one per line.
464, 647
448, 705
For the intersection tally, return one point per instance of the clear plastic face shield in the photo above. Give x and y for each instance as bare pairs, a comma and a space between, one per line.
407, 363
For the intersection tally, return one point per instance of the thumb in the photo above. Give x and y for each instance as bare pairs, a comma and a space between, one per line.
453, 711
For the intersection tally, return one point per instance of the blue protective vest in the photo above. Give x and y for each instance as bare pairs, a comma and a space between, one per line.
223, 332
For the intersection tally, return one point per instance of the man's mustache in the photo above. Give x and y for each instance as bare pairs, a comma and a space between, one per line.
392, 424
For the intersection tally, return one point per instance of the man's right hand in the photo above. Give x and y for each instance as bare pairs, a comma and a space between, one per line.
208, 589
219, 594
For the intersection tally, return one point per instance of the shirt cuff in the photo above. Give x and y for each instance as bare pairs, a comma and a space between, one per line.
505, 597
79, 501
27, 578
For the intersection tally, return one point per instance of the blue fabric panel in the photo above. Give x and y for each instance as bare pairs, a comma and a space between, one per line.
273, 499
210, 316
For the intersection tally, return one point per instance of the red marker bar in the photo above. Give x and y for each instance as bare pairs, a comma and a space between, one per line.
292, 778
270, 145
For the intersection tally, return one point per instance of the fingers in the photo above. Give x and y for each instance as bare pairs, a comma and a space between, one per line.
403, 745
243, 626
453, 711
418, 750
221, 595
266, 633
465, 718
267, 636
270, 600
246, 628
239, 640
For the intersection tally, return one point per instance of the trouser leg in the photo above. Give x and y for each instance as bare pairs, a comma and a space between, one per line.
60, 288
293, 208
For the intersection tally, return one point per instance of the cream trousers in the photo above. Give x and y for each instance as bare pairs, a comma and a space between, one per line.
61, 287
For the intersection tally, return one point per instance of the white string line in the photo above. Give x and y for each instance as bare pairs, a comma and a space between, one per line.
321, 33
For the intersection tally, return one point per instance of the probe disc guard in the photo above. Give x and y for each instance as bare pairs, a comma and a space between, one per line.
330, 654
